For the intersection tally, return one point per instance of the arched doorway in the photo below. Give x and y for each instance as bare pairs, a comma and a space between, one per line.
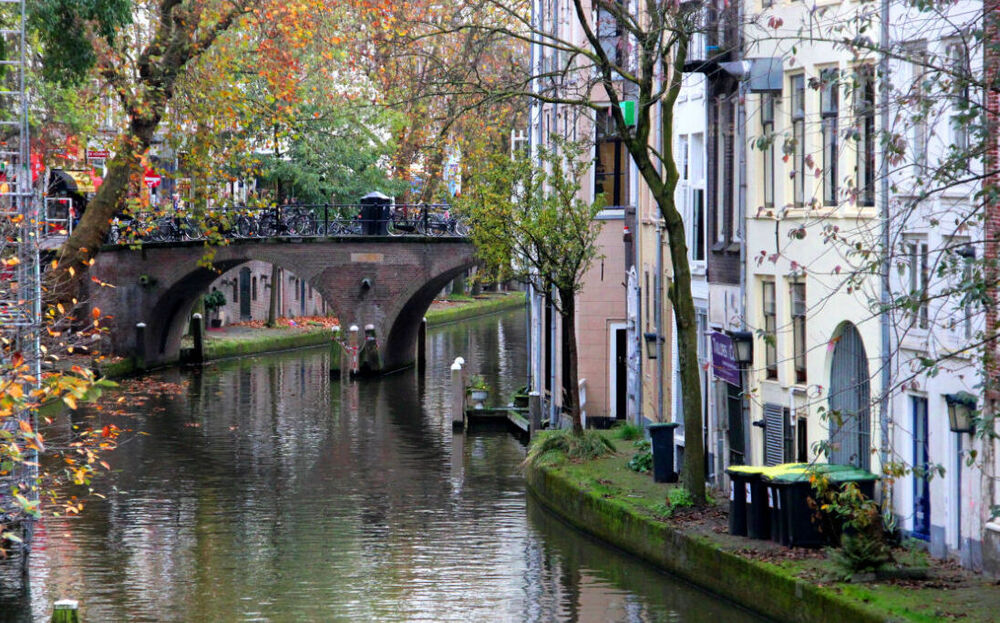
849, 418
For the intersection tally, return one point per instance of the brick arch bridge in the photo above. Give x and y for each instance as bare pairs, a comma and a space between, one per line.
388, 282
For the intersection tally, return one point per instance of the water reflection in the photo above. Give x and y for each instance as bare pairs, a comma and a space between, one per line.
264, 492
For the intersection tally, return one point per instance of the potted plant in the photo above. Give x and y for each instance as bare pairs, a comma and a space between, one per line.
478, 390
213, 301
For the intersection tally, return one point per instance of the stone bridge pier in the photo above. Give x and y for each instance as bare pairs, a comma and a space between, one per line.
385, 282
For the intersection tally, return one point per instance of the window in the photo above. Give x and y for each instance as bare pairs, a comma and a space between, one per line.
770, 331
682, 157
798, 292
829, 109
609, 32
917, 130
236, 290
735, 157
958, 67
611, 167
253, 289
725, 145
959, 134
799, 138
698, 224
802, 439
864, 112
965, 259
767, 129
919, 261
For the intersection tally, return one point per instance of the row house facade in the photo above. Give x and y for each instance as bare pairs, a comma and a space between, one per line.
856, 361
840, 254
622, 302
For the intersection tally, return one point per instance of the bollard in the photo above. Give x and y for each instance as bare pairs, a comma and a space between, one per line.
140, 346
66, 611
422, 346
534, 413
198, 336
457, 395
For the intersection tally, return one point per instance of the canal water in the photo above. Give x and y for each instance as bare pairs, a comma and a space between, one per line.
259, 490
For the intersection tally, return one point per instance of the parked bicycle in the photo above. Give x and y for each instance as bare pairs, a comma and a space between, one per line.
440, 223
173, 227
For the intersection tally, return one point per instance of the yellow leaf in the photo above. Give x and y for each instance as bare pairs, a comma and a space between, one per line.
70, 400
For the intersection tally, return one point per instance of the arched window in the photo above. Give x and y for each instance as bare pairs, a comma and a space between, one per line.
850, 424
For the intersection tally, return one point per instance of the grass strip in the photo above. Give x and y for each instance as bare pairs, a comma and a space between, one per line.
605, 499
474, 308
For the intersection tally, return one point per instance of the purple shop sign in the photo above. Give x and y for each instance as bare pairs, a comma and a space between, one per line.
724, 364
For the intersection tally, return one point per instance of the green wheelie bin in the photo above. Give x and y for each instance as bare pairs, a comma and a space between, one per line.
793, 488
754, 499
737, 501
775, 502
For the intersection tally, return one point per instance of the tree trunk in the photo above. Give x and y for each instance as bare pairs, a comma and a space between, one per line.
662, 189
693, 473
272, 308
90, 232
567, 300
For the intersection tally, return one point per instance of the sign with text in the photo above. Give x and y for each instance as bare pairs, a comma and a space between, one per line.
102, 154
724, 364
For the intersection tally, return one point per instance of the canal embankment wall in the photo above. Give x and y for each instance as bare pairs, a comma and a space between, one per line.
277, 340
758, 586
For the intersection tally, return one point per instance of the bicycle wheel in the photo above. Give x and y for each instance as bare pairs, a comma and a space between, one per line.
245, 227
267, 227
161, 230
300, 225
436, 227
188, 229
395, 228
352, 227
461, 229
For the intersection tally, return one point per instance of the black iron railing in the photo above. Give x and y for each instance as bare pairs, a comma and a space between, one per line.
289, 221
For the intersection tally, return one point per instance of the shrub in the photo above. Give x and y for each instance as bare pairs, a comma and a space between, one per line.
642, 461
679, 496
550, 446
858, 522
627, 432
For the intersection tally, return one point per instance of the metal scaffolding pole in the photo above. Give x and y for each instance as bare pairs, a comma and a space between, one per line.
20, 279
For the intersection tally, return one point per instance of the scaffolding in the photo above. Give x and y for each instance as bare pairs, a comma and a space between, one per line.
20, 268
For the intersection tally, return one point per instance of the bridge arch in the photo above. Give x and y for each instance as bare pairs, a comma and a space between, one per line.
385, 282
176, 303
401, 338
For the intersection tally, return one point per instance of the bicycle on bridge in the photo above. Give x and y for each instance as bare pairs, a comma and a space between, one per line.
289, 221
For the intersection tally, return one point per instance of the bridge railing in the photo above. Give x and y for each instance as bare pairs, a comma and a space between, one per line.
289, 221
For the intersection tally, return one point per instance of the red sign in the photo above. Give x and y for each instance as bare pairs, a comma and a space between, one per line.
98, 153
152, 178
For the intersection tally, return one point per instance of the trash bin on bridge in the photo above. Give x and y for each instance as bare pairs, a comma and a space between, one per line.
375, 209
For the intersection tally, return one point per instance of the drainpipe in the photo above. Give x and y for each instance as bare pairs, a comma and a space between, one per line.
534, 134
886, 376
658, 319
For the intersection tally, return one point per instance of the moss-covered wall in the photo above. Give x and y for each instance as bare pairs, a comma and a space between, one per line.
757, 586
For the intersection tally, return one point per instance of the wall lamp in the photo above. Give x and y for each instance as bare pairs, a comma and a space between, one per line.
742, 347
961, 407
651, 341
